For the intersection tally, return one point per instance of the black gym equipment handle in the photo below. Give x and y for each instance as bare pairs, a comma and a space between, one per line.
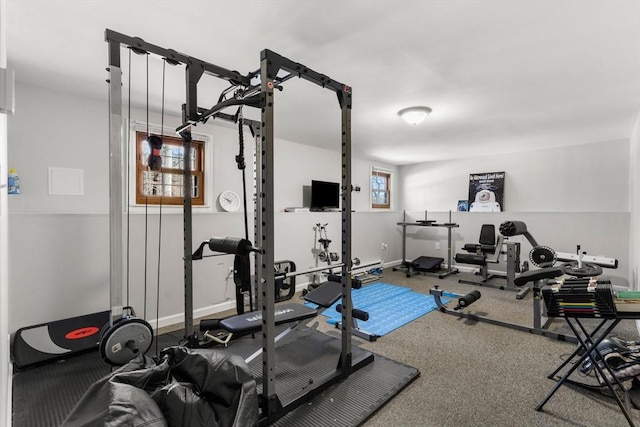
358, 314
355, 282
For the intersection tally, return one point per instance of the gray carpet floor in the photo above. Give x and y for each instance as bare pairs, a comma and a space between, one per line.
478, 374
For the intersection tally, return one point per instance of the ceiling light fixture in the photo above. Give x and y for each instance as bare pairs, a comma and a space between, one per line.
414, 115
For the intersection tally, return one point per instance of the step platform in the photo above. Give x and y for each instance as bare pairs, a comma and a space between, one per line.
424, 264
46, 342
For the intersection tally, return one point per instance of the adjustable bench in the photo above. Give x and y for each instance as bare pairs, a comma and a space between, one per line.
324, 296
246, 323
252, 321
328, 293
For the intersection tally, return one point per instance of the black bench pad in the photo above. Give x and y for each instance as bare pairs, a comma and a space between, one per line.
252, 321
325, 294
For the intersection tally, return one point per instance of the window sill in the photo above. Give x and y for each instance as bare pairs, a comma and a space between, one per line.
168, 209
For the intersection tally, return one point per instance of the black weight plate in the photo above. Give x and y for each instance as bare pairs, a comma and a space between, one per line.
587, 269
542, 256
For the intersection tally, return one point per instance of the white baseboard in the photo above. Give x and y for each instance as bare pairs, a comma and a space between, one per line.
178, 318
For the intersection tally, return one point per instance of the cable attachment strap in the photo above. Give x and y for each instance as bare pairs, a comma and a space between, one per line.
240, 157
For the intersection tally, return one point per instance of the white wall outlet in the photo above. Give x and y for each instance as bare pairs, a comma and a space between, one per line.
437, 246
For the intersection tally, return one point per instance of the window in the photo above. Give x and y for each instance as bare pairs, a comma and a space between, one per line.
380, 188
165, 186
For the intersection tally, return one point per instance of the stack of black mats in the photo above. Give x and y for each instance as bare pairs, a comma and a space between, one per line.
185, 388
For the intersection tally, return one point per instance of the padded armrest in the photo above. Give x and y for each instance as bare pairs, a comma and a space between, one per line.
533, 275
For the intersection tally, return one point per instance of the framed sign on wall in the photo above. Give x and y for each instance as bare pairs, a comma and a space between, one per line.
486, 192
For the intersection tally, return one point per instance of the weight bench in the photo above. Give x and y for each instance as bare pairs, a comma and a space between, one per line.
328, 293
539, 327
251, 322
324, 296
481, 256
486, 252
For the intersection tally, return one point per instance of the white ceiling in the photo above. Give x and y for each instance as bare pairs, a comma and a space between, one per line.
501, 76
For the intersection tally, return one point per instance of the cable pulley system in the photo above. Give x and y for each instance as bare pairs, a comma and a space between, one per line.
255, 90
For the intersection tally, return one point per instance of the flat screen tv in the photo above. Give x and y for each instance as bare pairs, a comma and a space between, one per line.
324, 195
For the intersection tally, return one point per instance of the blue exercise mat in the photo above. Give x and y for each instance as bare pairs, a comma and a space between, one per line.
389, 307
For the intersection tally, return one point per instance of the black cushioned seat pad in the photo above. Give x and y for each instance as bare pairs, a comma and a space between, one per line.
325, 294
252, 321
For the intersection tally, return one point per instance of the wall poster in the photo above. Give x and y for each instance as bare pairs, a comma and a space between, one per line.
486, 192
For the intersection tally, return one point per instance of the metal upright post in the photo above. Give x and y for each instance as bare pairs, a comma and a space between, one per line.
188, 234
265, 219
404, 238
115, 181
347, 303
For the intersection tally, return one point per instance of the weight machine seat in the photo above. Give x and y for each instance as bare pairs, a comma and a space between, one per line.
486, 242
483, 253
252, 321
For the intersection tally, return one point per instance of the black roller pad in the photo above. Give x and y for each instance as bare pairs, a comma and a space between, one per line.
471, 259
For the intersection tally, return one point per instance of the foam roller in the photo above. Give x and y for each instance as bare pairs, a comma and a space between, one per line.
358, 314
230, 245
468, 299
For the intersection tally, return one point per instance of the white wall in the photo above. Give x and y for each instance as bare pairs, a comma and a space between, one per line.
60, 244
567, 196
634, 202
5, 364
583, 178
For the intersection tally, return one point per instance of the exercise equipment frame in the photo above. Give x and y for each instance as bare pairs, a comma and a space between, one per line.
261, 96
406, 265
539, 327
512, 253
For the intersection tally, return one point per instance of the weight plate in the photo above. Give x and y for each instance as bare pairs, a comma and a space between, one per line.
542, 256
125, 339
587, 269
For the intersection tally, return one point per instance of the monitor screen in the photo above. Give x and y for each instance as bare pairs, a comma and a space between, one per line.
325, 195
